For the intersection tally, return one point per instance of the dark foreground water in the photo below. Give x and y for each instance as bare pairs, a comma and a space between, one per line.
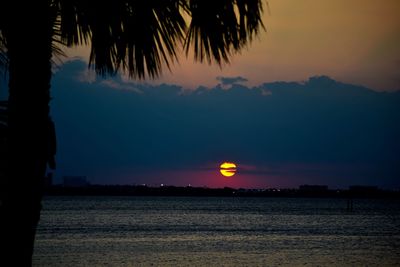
200, 231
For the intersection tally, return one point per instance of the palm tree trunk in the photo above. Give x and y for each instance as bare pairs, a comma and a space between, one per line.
29, 53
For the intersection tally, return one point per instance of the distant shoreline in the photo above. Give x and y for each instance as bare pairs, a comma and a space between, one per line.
139, 190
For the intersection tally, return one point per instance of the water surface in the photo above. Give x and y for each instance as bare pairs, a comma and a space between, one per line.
217, 231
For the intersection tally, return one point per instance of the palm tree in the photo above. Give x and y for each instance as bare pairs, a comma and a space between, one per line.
136, 37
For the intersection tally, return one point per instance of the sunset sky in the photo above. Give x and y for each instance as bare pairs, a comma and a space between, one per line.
313, 100
353, 41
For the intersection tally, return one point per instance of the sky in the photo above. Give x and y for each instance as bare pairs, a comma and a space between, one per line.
355, 41
280, 134
313, 100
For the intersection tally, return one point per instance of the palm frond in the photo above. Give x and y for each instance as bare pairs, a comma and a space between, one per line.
151, 34
218, 30
73, 27
140, 37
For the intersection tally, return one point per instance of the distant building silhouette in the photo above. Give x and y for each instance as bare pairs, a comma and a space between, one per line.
75, 181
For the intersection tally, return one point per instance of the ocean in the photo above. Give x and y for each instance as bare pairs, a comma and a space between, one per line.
217, 231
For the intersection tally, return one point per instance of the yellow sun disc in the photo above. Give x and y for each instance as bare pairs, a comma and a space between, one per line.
228, 169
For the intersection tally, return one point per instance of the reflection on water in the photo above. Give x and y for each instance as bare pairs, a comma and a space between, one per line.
183, 231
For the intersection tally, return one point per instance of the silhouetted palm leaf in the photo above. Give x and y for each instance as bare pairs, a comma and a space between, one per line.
133, 36
218, 30
139, 37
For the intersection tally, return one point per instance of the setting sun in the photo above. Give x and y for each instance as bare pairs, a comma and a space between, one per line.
228, 169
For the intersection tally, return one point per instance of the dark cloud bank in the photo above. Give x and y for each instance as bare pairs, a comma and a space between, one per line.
345, 134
